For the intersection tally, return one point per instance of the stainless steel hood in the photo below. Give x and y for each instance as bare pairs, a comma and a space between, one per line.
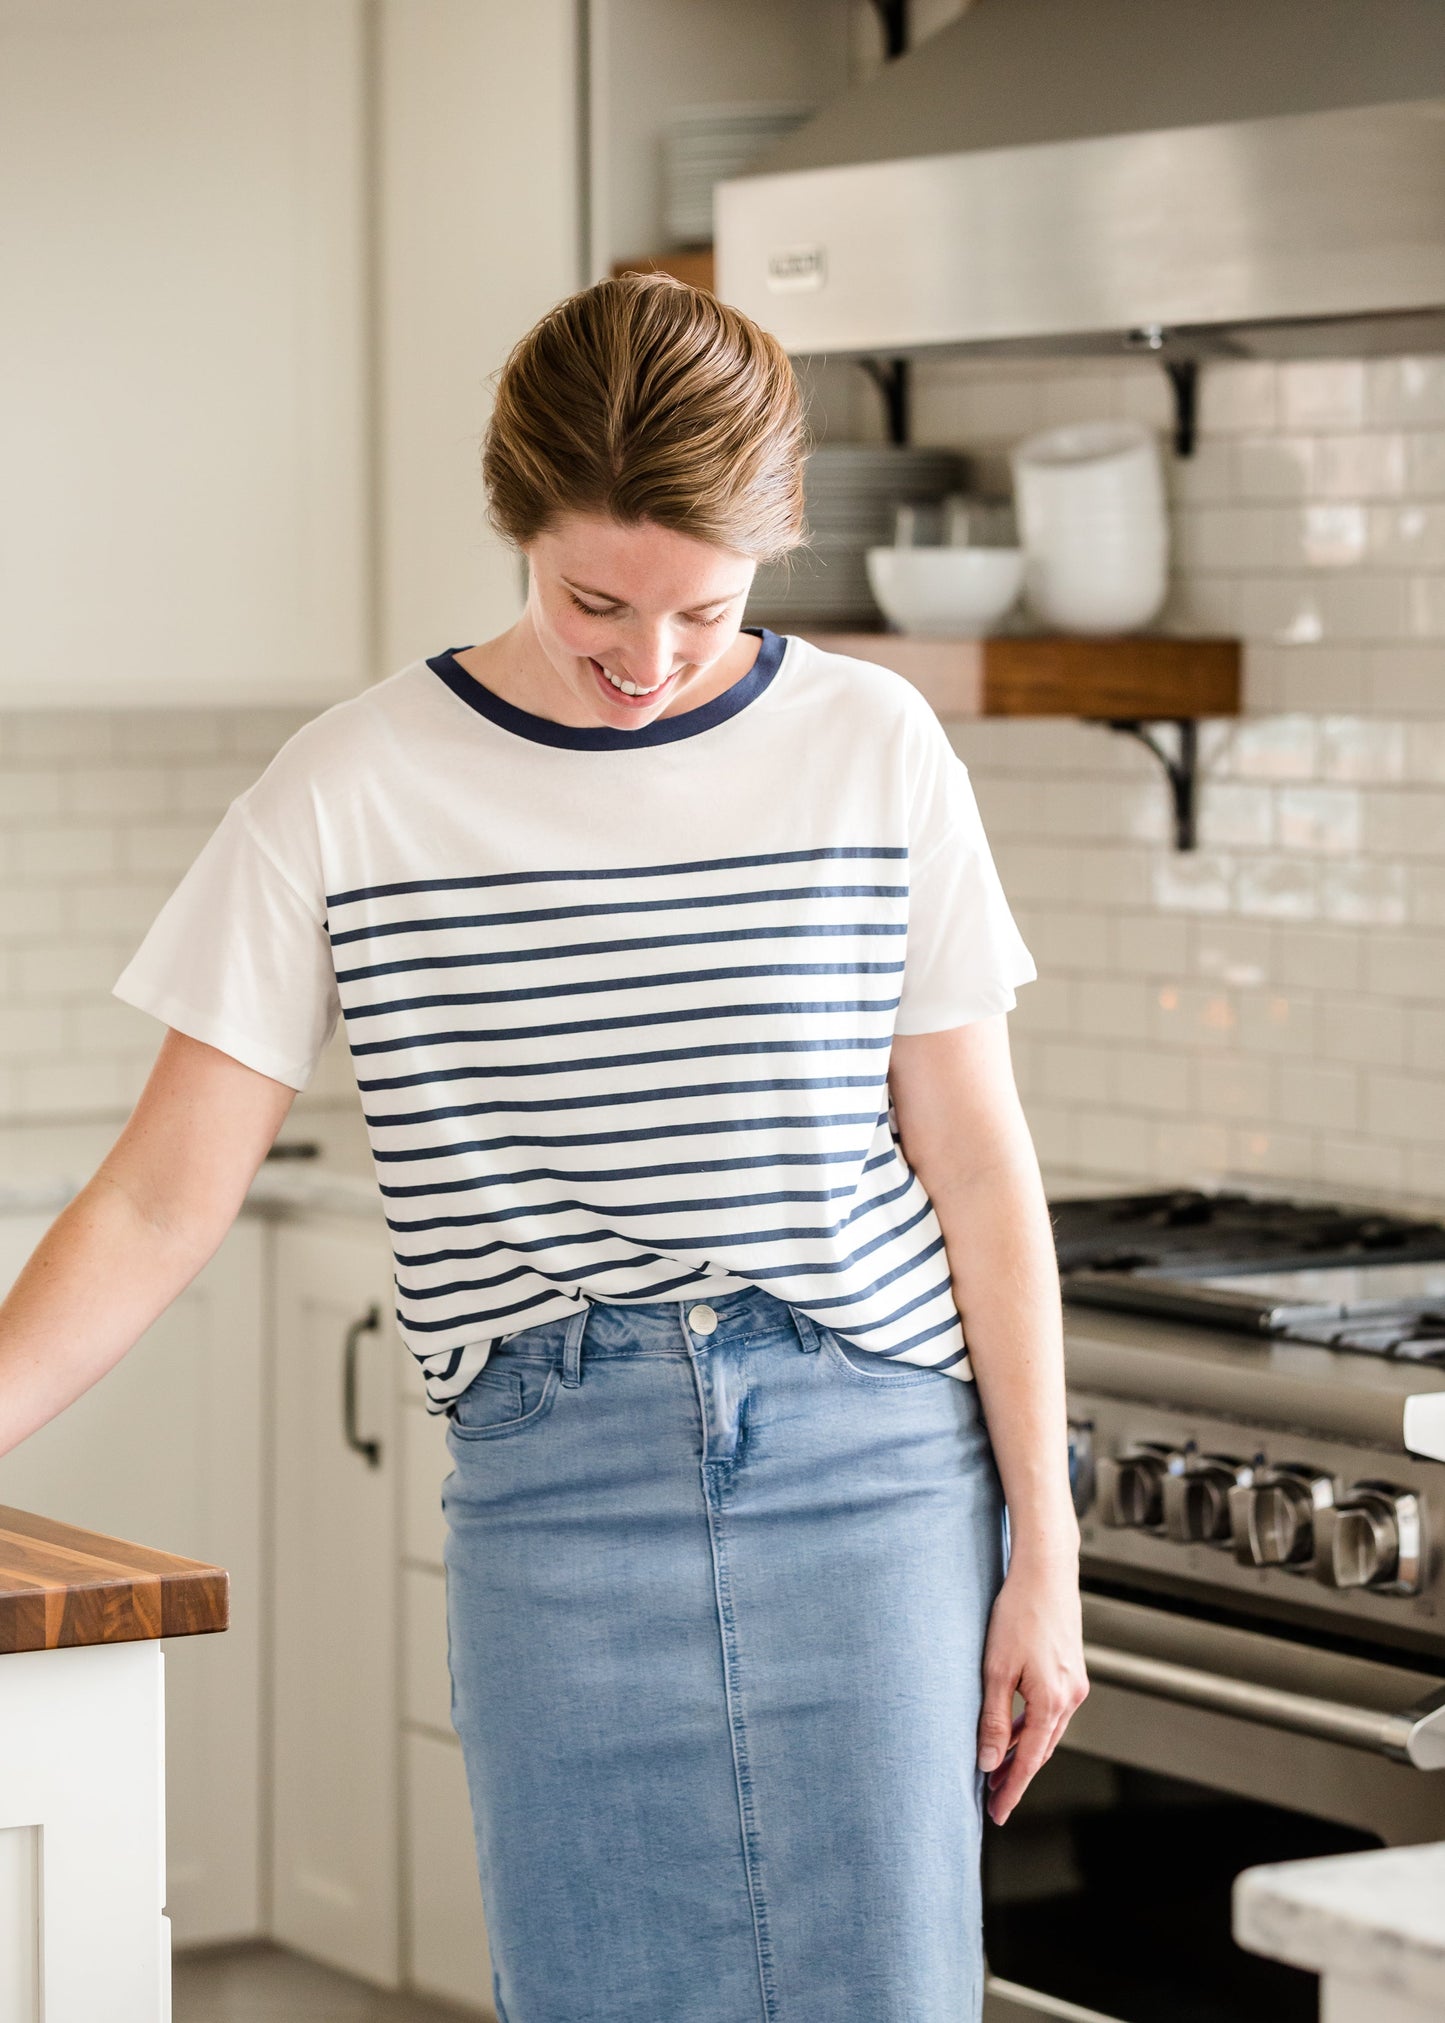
1205, 177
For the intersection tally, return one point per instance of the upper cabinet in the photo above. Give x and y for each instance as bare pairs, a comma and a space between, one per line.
649, 59
183, 505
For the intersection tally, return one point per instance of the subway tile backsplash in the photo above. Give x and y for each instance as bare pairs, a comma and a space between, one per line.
1271, 1005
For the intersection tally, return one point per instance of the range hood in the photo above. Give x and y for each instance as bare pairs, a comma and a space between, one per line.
1202, 178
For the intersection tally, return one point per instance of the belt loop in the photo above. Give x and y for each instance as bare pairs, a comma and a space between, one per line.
572, 1345
808, 1340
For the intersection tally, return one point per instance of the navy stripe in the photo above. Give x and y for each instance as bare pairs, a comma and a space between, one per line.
840, 852
626, 945
825, 1233
487, 1071
610, 1098
683, 903
682, 1016
648, 980
698, 1128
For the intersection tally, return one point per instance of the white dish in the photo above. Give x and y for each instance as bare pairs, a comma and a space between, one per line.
946, 593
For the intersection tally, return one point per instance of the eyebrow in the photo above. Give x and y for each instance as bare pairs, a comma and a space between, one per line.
607, 596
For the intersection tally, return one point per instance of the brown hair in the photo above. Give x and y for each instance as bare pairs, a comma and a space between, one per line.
646, 399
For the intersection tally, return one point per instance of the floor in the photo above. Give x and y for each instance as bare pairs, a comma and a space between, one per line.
258, 1983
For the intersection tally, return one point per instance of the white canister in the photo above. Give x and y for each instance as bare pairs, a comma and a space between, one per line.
1094, 525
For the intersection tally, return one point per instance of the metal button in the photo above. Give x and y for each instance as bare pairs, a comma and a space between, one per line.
701, 1319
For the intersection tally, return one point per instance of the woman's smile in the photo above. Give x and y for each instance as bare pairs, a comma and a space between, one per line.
621, 689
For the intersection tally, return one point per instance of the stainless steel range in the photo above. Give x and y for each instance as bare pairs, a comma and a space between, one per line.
1257, 1444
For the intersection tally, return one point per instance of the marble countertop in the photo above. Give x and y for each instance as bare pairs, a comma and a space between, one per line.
1376, 1917
43, 1166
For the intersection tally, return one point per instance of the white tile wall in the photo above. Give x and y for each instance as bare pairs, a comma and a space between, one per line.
100, 814
1268, 1005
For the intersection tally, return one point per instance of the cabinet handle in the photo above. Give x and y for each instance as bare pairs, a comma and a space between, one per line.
370, 1448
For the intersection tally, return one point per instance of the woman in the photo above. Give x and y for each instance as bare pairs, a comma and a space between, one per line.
675, 973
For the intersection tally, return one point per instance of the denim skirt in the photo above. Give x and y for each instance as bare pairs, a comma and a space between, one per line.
717, 1590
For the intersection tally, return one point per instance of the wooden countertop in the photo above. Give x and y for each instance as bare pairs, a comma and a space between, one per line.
60, 1585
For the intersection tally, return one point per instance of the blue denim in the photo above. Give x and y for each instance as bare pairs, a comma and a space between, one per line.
716, 1606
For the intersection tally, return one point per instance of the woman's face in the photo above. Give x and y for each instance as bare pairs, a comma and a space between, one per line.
637, 605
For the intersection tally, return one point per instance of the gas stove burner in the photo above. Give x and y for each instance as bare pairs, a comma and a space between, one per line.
1186, 1231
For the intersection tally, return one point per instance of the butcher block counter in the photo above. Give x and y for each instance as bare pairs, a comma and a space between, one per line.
82, 1766
61, 1586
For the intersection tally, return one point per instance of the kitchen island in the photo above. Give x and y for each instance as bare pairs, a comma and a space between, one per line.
83, 1933
1371, 1925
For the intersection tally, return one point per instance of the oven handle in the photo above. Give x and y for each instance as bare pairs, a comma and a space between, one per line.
1416, 1735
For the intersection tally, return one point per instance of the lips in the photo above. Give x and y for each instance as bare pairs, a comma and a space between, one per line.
634, 702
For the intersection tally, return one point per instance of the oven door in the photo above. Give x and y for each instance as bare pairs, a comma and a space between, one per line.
1203, 1748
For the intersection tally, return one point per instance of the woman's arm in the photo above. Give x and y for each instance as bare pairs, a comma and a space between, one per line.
964, 1134
137, 1233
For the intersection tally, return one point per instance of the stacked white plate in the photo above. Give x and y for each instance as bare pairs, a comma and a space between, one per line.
851, 490
703, 145
1092, 514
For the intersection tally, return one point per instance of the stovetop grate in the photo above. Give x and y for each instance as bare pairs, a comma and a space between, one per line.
1223, 1259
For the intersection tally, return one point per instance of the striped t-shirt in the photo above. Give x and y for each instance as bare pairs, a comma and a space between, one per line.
619, 1003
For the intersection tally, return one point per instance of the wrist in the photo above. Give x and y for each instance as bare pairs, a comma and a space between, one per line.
1057, 1548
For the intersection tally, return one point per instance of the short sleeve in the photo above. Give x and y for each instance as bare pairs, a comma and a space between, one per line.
239, 957
964, 954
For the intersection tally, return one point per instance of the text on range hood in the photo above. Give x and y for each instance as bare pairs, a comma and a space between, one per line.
1250, 177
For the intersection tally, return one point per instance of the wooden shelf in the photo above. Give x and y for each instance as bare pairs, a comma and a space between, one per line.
695, 268
1134, 676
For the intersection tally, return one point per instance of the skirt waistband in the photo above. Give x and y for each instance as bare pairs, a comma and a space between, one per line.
682, 1328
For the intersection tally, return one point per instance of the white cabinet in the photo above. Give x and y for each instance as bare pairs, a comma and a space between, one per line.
183, 496
479, 233
335, 1797
167, 1450
650, 58
447, 1951
449, 1954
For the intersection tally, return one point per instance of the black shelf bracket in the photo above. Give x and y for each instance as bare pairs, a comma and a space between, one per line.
1181, 770
1184, 379
891, 377
893, 19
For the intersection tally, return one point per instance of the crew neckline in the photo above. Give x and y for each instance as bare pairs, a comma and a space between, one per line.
666, 730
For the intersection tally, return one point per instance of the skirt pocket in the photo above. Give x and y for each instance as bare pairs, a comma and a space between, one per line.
886, 1372
503, 1398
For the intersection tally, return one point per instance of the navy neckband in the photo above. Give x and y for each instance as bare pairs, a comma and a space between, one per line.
602, 737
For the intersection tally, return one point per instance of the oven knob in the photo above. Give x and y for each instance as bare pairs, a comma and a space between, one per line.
1196, 1501
1272, 1519
1370, 1538
1081, 1464
1128, 1487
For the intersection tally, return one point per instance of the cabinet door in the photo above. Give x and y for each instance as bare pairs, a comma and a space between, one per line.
166, 1450
182, 400
449, 1955
337, 1874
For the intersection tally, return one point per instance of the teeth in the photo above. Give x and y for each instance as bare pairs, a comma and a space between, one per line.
631, 688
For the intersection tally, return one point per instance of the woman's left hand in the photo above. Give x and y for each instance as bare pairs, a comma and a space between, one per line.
1035, 1646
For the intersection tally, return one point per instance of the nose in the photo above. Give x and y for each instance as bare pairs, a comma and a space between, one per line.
650, 658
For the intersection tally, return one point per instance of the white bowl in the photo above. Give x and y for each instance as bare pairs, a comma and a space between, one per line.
1098, 593
946, 593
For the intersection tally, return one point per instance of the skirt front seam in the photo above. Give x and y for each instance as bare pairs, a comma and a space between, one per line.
715, 1474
